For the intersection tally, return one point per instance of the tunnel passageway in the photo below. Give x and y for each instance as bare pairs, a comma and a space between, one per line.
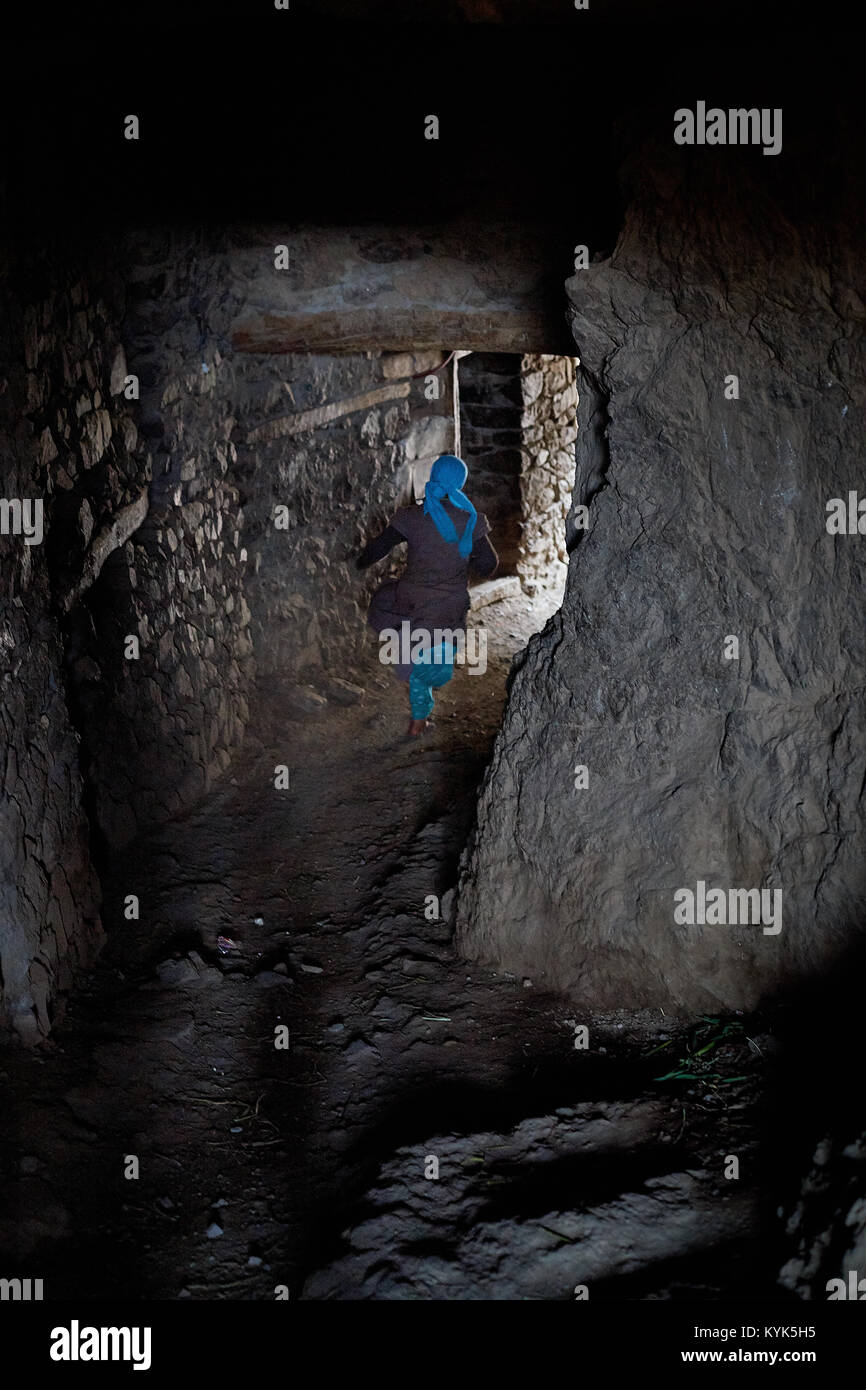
292, 1005
250, 1156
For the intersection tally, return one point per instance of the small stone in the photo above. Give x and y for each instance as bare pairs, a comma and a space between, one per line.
493, 591
176, 972
343, 692
95, 437
303, 700
424, 968
266, 979
118, 372
254, 1261
214, 1231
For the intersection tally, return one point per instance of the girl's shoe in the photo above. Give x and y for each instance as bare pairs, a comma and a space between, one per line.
418, 727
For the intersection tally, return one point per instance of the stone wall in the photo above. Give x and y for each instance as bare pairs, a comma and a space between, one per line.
707, 515
142, 539
548, 432
70, 444
159, 730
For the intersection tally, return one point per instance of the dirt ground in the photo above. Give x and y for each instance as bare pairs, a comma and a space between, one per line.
307, 1167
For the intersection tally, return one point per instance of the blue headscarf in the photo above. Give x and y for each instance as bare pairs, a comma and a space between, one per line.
446, 479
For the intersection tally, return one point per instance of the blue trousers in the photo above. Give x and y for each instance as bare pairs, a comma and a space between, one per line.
428, 673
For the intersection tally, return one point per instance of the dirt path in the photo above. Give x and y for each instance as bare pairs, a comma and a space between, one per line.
556, 1165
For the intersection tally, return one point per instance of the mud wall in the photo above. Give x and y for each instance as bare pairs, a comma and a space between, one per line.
722, 395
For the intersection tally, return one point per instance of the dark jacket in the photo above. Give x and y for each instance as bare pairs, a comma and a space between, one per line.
432, 590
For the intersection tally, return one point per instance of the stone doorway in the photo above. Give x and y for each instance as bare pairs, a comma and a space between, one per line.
518, 427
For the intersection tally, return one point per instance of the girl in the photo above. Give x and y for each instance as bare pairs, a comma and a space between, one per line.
432, 591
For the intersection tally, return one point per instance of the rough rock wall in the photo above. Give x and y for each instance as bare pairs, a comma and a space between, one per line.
827, 1225
706, 521
548, 431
